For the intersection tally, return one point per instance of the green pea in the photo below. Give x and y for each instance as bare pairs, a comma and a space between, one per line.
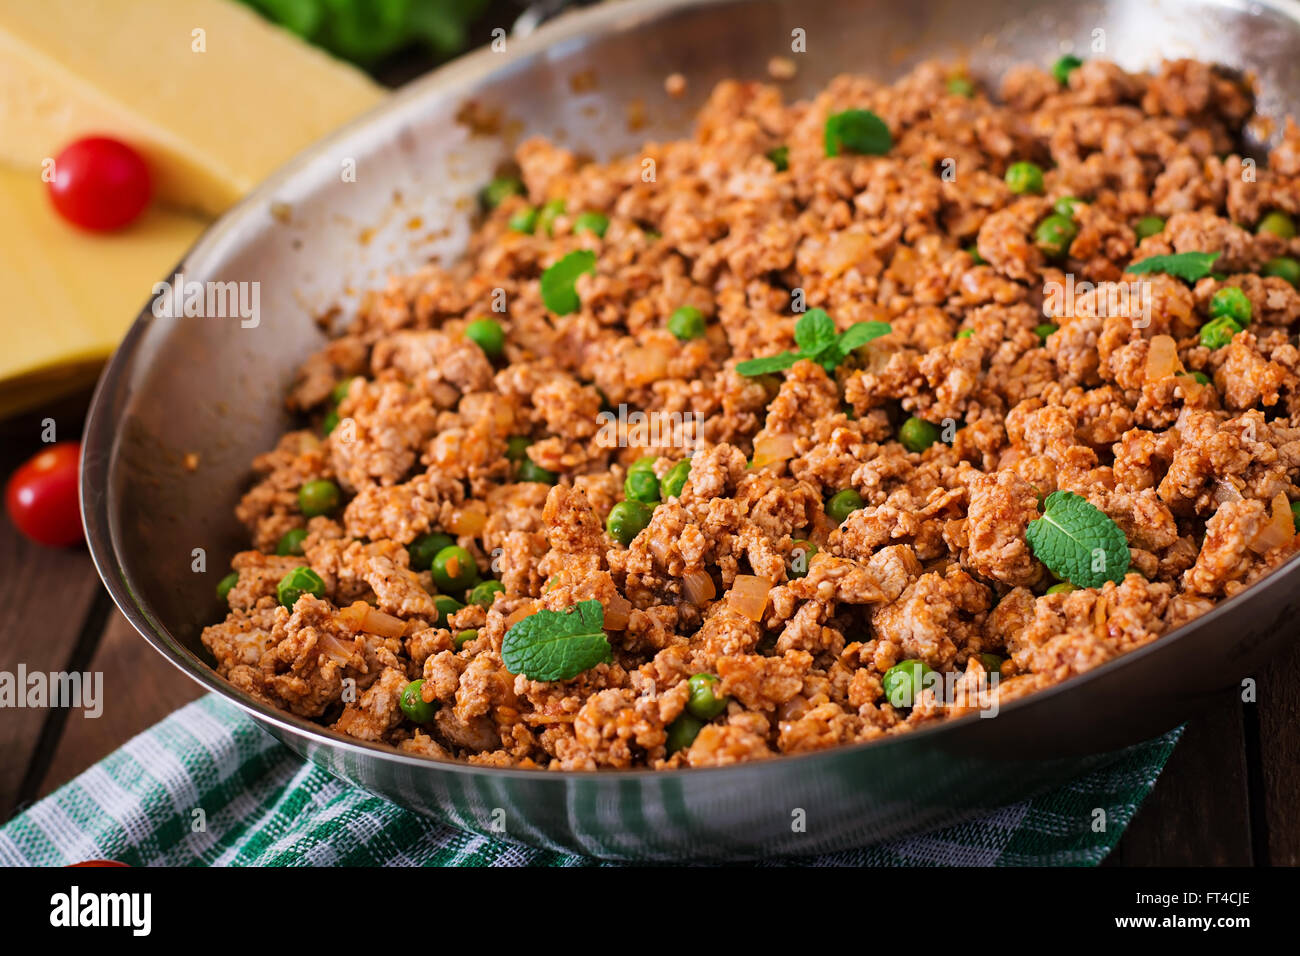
301, 580
1063, 67
1295, 515
1278, 224
674, 479
523, 220
1024, 177
1217, 333
644, 463
464, 637
961, 86
705, 702
225, 585
1065, 587
687, 323
1149, 226
1046, 329
992, 662
488, 335
641, 485
842, 504
1067, 206
341, 389
426, 547
627, 519
485, 592
453, 569
916, 434
1232, 302
529, 470
973, 251
319, 497
291, 542
329, 422
1201, 377
550, 212
1054, 235
683, 731
966, 334
447, 606
413, 704
591, 222
1284, 267
904, 682
780, 158
801, 556
495, 192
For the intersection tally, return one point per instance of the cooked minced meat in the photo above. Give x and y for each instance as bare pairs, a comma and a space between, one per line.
845, 526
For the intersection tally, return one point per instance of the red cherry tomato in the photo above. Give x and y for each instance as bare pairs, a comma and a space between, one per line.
99, 863
41, 496
100, 184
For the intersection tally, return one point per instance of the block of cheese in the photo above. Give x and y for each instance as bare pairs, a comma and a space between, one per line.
68, 296
214, 96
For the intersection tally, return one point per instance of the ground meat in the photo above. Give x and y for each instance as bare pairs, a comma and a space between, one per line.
1006, 372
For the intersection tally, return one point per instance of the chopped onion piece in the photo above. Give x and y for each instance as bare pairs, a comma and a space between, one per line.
360, 616
845, 251
1162, 358
1280, 528
648, 363
748, 595
335, 649
617, 611
468, 520
1225, 490
698, 587
521, 612
771, 449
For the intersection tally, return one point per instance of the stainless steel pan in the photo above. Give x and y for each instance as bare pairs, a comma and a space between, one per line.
311, 238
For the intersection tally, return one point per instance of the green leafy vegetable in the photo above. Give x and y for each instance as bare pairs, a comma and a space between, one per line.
1078, 542
558, 281
856, 131
557, 645
1188, 266
817, 339
365, 31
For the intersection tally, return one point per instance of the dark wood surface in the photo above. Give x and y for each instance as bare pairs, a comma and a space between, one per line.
1230, 794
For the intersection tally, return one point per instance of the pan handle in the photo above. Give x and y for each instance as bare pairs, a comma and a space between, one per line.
538, 12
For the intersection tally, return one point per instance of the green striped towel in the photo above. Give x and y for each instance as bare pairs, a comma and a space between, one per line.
266, 807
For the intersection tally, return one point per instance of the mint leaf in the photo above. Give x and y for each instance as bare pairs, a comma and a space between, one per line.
1078, 542
770, 363
1188, 266
557, 645
856, 131
860, 333
818, 340
814, 330
558, 292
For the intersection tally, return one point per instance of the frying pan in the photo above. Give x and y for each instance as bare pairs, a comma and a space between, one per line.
315, 236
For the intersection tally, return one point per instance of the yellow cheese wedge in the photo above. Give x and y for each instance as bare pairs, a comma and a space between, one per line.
214, 96
68, 296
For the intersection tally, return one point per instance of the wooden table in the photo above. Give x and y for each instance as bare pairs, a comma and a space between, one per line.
1230, 794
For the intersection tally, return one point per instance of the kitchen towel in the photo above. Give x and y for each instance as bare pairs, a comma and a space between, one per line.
265, 806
